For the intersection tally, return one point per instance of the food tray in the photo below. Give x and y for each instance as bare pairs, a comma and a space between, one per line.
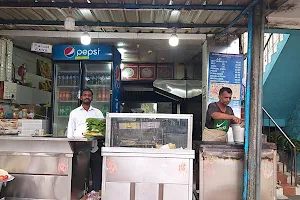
10, 178
3, 183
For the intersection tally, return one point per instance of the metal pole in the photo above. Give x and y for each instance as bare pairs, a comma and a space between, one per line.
259, 18
256, 103
247, 103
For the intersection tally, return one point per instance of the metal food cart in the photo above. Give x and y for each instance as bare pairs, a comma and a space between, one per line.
148, 157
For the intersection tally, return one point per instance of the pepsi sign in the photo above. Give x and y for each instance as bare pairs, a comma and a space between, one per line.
81, 52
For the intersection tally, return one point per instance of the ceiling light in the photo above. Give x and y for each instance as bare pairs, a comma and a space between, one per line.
85, 38
174, 40
121, 44
122, 66
122, 51
70, 23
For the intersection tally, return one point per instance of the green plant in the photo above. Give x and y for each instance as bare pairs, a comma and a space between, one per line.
282, 143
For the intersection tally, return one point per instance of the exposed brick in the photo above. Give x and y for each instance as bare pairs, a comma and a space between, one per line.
288, 190
282, 178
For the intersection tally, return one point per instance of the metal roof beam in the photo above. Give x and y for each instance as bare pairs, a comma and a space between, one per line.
251, 5
116, 24
118, 6
104, 35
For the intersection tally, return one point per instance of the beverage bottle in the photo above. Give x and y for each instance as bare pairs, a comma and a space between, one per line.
63, 95
58, 80
66, 110
59, 110
63, 80
103, 94
68, 95
97, 79
99, 96
69, 79
75, 80
93, 79
59, 95
107, 94
89, 80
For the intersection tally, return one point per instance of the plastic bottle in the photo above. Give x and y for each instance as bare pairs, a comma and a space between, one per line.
99, 96
103, 90
63, 80
67, 95
58, 80
59, 110
107, 93
75, 80
62, 110
63, 95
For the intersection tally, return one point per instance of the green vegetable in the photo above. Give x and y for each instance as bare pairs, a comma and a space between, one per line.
96, 125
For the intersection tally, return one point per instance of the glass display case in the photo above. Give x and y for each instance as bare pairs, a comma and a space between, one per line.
165, 131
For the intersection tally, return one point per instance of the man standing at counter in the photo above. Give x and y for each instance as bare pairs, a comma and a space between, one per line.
219, 117
77, 126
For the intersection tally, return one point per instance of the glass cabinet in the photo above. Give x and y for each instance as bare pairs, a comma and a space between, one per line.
161, 131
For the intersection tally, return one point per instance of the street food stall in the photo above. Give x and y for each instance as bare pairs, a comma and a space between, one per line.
45, 167
148, 156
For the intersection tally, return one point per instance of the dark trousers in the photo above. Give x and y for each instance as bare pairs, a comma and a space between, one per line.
96, 169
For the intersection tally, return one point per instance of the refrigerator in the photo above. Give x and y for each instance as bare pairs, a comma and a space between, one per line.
76, 67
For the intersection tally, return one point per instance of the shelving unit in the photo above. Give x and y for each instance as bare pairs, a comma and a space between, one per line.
67, 86
98, 86
36, 77
68, 101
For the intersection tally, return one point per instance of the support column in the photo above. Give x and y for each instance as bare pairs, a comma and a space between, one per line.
256, 85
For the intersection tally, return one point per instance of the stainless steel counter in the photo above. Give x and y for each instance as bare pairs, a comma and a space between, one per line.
225, 162
45, 167
2, 137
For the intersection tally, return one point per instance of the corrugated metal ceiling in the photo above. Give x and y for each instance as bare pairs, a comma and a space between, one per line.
126, 16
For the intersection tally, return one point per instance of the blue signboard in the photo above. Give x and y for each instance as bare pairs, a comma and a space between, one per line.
82, 52
116, 81
226, 70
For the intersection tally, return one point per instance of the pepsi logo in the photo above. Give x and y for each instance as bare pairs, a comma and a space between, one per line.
69, 52
117, 73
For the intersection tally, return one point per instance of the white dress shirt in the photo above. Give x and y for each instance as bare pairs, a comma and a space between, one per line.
77, 122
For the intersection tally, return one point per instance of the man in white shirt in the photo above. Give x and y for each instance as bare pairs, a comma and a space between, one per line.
77, 126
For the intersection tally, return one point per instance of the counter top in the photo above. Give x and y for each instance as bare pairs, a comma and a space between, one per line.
9, 137
223, 146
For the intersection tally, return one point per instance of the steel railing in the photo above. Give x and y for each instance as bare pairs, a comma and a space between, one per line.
283, 140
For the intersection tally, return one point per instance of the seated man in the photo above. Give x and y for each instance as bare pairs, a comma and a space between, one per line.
219, 117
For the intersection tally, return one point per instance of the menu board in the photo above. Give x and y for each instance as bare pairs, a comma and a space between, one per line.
165, 72
147, 72
130, 72
226, 70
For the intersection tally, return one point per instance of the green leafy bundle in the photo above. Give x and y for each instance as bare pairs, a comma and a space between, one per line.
95, 125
